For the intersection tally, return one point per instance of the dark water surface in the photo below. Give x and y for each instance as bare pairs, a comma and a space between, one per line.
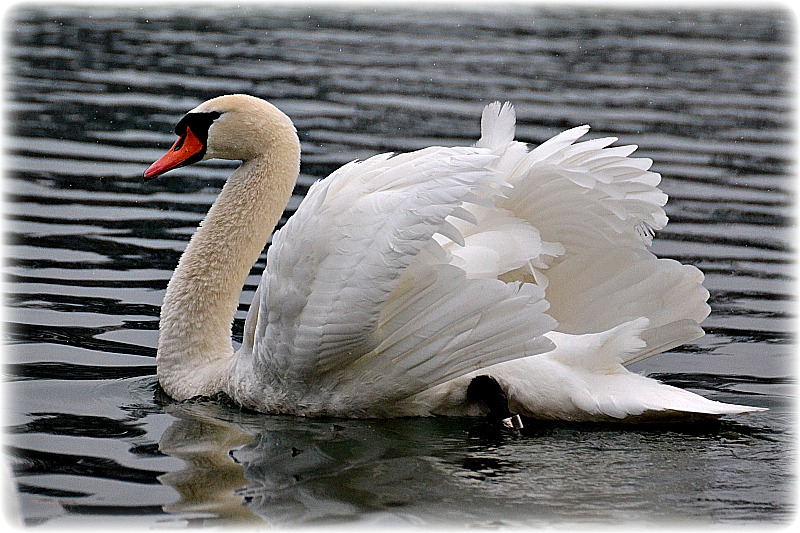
92, 95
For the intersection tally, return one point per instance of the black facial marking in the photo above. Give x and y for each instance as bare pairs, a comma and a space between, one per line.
486, 390
198, 123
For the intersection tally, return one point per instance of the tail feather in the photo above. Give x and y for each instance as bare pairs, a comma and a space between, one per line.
586, 379
632, 397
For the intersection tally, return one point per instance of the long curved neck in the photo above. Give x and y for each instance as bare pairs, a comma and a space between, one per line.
194, 347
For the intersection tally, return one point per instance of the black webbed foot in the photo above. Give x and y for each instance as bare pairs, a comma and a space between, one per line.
486, 390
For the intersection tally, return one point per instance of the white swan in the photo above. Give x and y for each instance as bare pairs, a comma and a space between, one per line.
402, 278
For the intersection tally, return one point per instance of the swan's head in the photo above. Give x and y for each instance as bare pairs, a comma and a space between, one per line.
236, 126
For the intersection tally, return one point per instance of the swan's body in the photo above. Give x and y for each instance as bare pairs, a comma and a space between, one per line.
400, 278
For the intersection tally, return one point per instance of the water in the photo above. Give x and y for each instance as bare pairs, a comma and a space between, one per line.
92, 97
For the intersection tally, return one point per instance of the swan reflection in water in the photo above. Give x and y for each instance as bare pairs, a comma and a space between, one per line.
287, 470
208, 483
243, 467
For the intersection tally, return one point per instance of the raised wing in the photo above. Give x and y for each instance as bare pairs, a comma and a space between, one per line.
334, 265
585, 213
399, 273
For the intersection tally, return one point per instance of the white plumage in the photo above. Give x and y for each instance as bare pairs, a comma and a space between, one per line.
402, 277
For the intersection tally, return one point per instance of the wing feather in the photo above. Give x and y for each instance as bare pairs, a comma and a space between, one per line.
334, 264
438, 325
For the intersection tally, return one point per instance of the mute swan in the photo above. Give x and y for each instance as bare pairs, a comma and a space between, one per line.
458, 281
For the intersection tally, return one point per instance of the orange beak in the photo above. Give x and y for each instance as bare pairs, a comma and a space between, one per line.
186, 150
